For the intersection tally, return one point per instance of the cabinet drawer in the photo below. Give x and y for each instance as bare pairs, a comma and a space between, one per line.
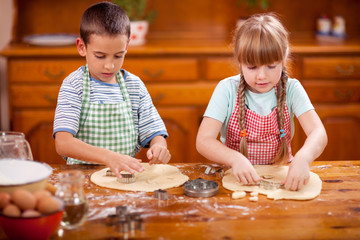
333, 91
163, 69
331, 67
181, 94
220, 67
22, 96
42, 70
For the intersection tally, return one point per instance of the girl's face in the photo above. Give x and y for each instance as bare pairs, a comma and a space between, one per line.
104, 55
261, 79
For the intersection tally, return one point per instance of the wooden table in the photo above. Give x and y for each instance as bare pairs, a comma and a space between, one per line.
335, 214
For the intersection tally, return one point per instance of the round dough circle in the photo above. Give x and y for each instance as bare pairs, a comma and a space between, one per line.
154, 177
309, 191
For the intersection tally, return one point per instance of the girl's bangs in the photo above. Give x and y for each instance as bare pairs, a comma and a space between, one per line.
260, 49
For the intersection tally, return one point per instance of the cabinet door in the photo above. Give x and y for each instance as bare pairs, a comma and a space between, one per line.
342, 124
37, 125
182, 124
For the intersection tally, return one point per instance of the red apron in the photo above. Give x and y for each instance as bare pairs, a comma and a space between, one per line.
263, 134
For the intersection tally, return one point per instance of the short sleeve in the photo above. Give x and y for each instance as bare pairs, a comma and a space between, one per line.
150, 122
298, 98
222, 101
68, 109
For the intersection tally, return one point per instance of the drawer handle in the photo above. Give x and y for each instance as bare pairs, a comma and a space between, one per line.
158, 98
345, 72
153, 75
54, 75
344, 95
50, 99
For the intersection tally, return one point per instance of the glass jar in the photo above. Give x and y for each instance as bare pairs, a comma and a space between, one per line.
72, 193
14, 145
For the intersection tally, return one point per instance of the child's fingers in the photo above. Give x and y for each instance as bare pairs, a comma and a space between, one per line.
133, 166
149, 154
160, 155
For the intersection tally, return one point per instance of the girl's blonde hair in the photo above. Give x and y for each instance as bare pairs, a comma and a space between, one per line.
263, 40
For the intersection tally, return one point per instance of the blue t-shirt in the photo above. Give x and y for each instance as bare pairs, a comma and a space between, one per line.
147, 120
223, 101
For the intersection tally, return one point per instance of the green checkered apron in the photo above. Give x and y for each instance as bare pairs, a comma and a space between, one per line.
109, 126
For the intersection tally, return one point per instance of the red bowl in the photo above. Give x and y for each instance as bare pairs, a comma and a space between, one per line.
30, 228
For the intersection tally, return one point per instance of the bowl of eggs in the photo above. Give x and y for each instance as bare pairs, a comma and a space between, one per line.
23, 174
30, 215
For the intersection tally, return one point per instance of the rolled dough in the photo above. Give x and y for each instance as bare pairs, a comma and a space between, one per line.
278, 174
154, 177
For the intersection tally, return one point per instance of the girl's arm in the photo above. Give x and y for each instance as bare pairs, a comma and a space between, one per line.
67, 145
158, 152
314, 145
212, 149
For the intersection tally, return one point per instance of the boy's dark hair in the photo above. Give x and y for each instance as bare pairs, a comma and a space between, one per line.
104, 18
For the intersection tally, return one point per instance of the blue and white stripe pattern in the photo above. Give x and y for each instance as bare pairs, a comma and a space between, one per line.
147, 121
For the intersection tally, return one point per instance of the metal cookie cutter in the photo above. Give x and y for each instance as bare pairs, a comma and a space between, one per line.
215, 169
110, 173
209, 170
123, 221
127, 178
200, 188
161, 194
268, 185
121, 210
135, 221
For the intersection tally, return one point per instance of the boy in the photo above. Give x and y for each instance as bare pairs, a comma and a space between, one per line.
103, 113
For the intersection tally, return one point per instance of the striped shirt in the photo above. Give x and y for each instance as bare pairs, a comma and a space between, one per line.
147, 120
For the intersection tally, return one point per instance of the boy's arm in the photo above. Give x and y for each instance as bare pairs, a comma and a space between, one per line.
314, 145
158, 152
67, 145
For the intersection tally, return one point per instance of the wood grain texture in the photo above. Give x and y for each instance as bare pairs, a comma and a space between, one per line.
335, 214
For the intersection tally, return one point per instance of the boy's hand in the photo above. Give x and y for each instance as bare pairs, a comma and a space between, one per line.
158, 154
125, 163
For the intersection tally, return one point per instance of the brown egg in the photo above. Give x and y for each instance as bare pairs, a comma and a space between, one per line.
39, 194
48, 205
23, 199
12, 210
4, 199
30, 213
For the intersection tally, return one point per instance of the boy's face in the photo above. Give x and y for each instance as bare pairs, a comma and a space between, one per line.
104, 55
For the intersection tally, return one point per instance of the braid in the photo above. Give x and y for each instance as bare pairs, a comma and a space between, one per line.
241, 93
283, 154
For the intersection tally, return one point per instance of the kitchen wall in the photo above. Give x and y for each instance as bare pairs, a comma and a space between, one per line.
6, 19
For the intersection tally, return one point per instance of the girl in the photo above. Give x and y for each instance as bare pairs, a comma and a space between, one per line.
254, 110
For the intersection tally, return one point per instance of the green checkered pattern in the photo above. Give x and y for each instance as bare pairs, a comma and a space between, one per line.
109, 126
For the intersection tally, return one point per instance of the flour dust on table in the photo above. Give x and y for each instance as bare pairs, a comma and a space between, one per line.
275, 174
154, 177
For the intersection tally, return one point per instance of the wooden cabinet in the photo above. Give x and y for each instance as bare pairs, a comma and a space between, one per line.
332, 82
34, 85
175, 82
187, 54
180, 123
181, 83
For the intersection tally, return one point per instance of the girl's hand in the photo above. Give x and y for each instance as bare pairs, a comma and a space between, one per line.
244, 172
120, 162
298, 175
158, 154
